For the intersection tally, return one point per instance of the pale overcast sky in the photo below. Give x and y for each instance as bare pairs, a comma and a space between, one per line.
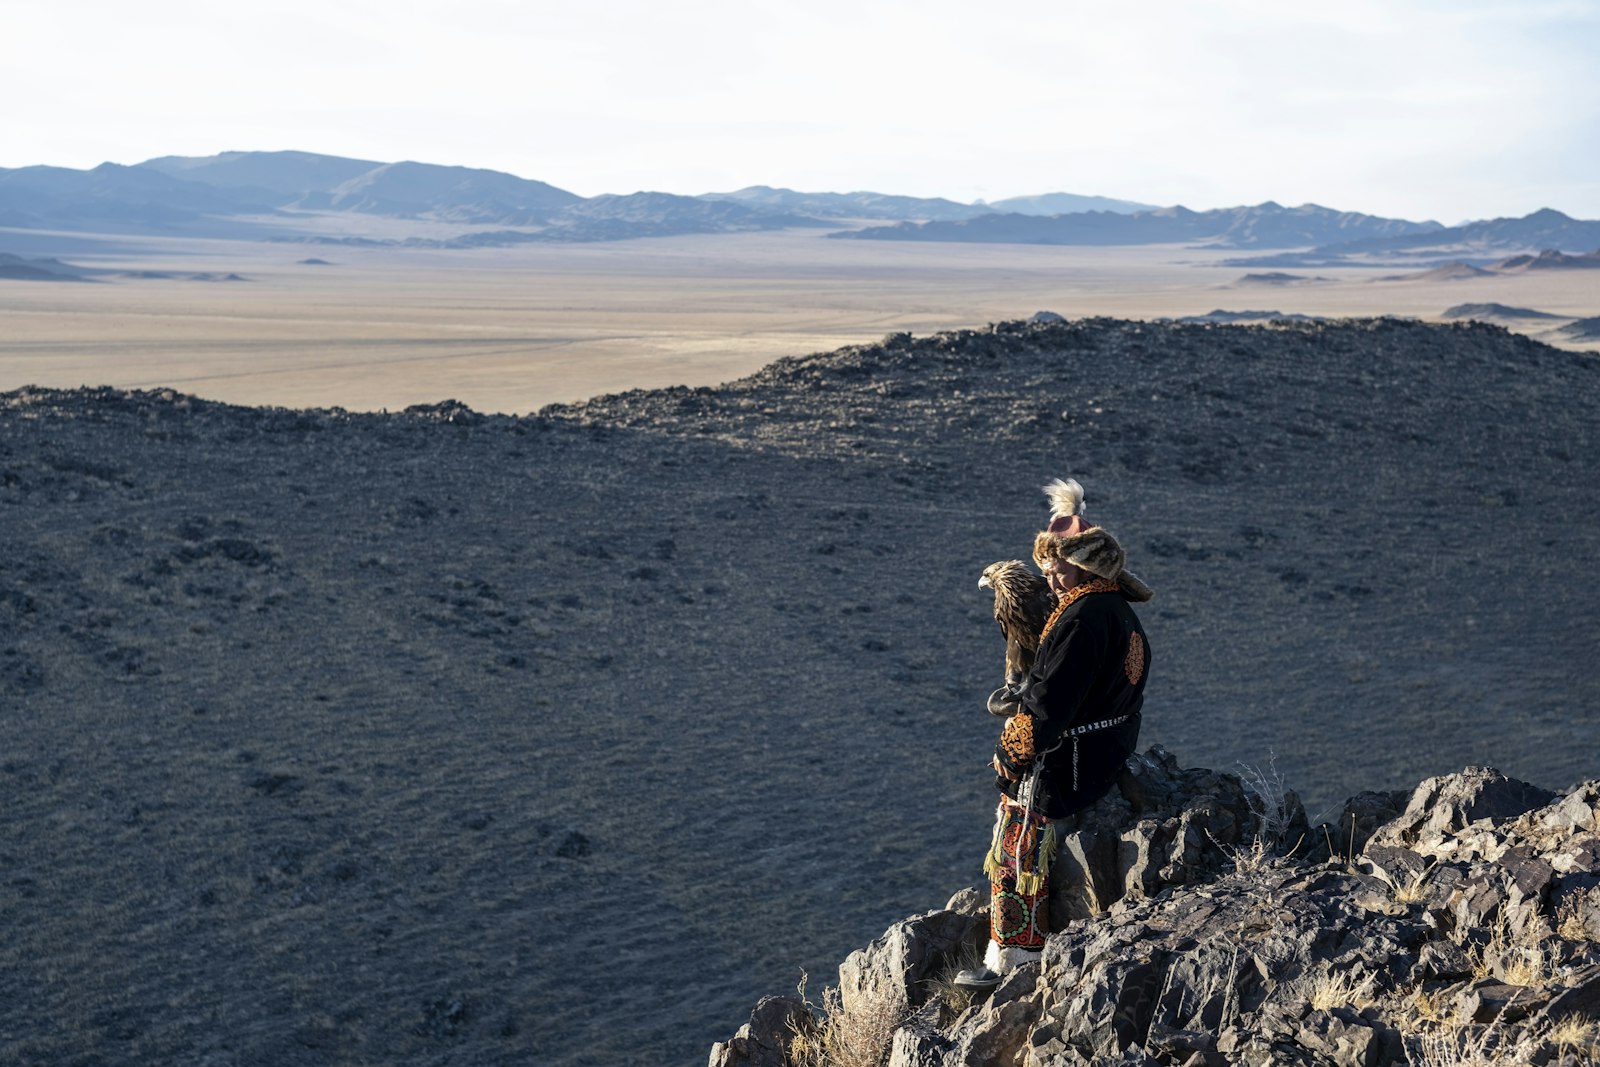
1446, 109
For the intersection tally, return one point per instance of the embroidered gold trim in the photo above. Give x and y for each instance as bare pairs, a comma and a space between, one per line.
1017, 739
1133, 666
1072, 596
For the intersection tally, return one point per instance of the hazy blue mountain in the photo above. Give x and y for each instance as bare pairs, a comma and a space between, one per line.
616, 218
1546, 228
869, 205
451, 194
1267, 225
1481, 243
861, 205
114, 196
17, 268
287, 173
651, 206
601, 218
1062, 204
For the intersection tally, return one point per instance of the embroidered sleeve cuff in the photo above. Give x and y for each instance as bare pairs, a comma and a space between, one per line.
1015, 750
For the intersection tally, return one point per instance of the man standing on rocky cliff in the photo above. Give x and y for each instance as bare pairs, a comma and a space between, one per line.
1076, 720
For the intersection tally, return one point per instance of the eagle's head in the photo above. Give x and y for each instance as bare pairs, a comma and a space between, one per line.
1006, 577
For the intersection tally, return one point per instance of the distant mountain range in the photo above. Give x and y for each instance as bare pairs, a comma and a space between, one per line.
881, 206
289, 196
198, 193
1472, 243
1267, 225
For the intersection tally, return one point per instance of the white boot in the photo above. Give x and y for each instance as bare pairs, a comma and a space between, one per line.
1004, 960
997, 963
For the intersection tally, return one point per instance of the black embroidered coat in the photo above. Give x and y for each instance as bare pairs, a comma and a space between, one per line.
1091, 668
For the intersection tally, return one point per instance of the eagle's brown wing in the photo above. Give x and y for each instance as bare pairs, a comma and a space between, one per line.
1022, 603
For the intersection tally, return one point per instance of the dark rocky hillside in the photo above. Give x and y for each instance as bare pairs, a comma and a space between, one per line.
441, 738
1455, 925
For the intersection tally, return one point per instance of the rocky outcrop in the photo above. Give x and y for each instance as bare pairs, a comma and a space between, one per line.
1465, 925
766, 1040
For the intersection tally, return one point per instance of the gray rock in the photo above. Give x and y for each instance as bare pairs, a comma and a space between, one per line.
1399, 867
1363, 814
1160, 826
765, 1040
1442, 807
896, 967
1175, 945
972, 901
1492, 1001
1442, 960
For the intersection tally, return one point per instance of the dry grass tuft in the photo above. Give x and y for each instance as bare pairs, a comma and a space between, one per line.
1569, 917
1516, 957
942, 987
1269, 803
1576, 1036
1413, 890
1345, 990
861, 1037
1449, 1046
1430, 1008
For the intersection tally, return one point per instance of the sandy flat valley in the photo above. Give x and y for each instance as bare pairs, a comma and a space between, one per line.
512, 329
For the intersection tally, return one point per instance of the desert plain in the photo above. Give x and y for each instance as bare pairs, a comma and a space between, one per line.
512, 329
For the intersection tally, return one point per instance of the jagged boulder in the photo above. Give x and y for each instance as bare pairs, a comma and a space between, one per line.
1161, 826
1454, 815
766, 1039
892, 972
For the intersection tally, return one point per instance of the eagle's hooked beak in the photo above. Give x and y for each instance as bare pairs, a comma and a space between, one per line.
983, 583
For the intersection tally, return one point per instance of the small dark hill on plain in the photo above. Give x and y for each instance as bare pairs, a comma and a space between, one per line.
1583, 329
1279, 279
1448, 272
1549, 259
1495, 311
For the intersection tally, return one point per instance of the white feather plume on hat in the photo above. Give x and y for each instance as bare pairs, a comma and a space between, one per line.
1066, 498
1075, 542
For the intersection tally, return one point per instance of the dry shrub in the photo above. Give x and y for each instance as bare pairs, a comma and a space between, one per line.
1569, 916
1429, 1008
860, 1037
1345, 990
1448, 1046
1413, 891
1577, 1036
955, 999
1573, 1041
1269, 803
1516, 957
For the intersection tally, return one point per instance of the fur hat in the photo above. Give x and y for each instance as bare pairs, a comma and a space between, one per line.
1069, 539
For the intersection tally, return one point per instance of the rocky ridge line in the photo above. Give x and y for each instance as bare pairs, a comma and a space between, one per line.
1456, 925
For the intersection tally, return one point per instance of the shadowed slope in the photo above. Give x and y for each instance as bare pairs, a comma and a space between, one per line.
443, 738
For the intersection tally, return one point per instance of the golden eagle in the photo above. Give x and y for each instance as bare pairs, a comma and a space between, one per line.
1022, 603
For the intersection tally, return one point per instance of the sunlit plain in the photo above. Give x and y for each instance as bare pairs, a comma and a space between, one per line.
513, 329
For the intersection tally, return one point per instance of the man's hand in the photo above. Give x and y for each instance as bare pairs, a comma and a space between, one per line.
1000, 770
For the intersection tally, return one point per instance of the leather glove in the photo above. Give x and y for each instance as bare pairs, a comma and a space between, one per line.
1005, 701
